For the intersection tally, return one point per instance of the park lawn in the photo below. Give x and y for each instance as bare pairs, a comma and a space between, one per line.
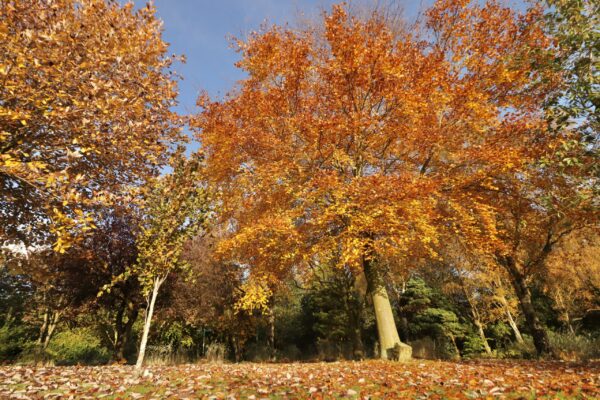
369, 379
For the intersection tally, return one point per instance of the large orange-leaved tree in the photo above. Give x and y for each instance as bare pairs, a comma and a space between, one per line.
355, 143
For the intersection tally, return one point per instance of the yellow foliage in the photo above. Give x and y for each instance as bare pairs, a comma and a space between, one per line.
70, 106
256, 295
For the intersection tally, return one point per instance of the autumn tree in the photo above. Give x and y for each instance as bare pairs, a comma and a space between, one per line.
80, 82
573, 277
544, 209
372, 144
478, 286
207, 297
58, 285
174, 210
112, 250
558, 195
574, 24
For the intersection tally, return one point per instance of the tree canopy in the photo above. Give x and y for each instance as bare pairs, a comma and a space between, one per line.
362, 142
80, 81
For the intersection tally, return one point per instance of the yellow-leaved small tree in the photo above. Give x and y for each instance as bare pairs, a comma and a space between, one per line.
175, 208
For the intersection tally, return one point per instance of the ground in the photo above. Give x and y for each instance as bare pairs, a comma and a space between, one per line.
364, 380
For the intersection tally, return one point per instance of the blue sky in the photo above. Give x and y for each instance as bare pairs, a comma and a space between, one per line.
200, 29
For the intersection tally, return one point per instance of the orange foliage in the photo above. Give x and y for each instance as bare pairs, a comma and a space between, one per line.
361, 140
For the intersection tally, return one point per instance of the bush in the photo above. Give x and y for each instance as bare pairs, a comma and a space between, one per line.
216, 352
424, 348
255, 352
525, 349
572, 347
499, 335
473, 346
289, 353
11, 342
77, 346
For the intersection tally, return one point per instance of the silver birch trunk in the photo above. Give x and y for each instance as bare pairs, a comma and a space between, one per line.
148, 320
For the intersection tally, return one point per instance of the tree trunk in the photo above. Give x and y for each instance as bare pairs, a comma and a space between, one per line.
272, 334
42, 333
123, 333
9, 318
358, 351
456, 350
510, 319
477, 320
486, 345
564, 311
568, 321
539, 334
236, 348
353, 310
117, 333
514, 326
389, 341
403, 328
47, 329
148, 320
404, 335
51, 327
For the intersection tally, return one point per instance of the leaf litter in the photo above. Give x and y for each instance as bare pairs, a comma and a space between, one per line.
481, 379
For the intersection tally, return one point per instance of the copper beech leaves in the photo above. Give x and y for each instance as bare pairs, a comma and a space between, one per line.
356, 137
86, 88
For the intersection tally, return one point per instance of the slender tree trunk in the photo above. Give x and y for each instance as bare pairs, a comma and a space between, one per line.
539, 334
510, 319
272, 333
354, 310
118, 332
124, 332
453, 340
404, 332
238, 344
42, 333
47, 329
358, 351
514, 326
9, 318
486, 345
389, 340
148, 320
568, 321
54, 317
477, 321
403, 328
564, 311
236, 348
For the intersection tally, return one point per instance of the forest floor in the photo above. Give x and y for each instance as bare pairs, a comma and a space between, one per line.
364, 380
